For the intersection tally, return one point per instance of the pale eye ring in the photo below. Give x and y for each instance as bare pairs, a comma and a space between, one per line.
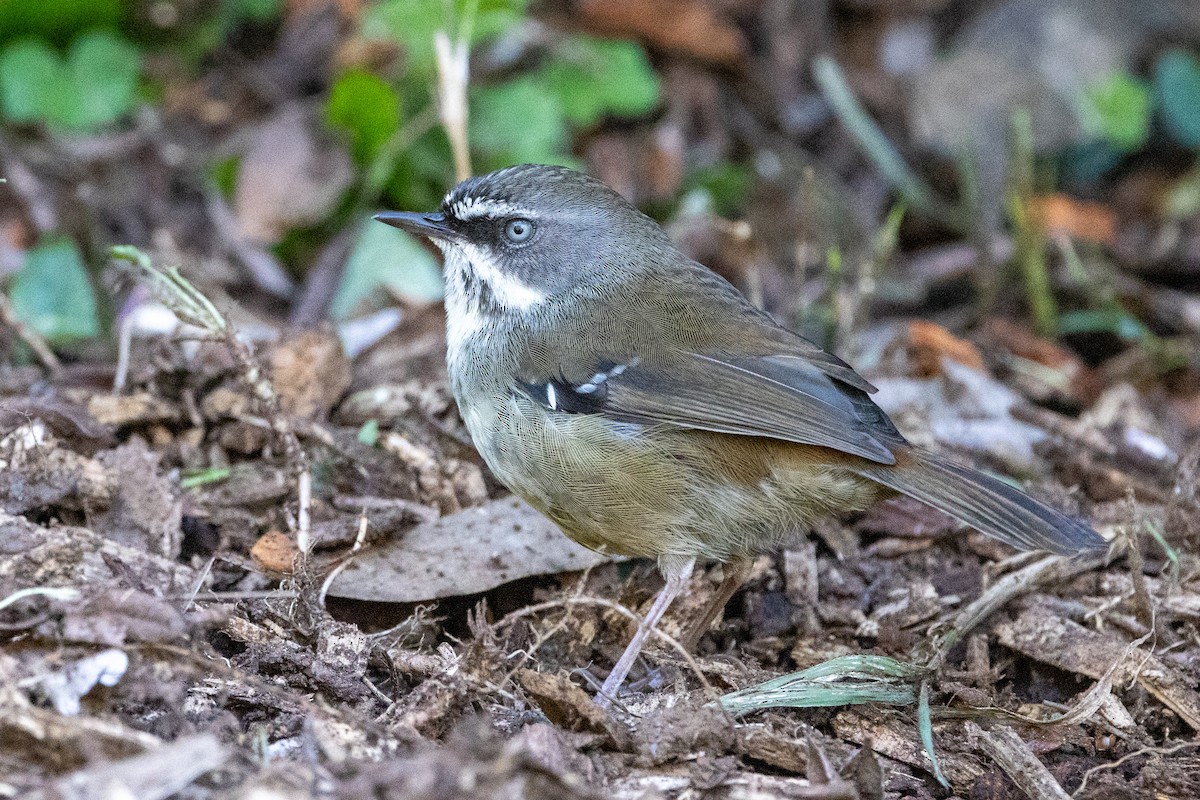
518, 230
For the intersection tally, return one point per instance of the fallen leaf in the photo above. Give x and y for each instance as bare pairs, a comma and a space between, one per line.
463, 553
275, 552
928, 344
288, 177
688, 26
1060, 215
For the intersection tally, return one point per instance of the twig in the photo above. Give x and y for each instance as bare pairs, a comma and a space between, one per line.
193, 307
1013, 756
359, 540
620, 609
30, 337
832, 82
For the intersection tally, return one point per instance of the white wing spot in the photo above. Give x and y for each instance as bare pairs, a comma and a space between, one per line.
551, 397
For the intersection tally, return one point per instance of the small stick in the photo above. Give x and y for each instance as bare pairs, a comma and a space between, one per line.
30, 337
193, 307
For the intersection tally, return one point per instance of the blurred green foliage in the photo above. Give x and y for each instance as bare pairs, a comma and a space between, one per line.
94, 85
1117, 111
413, 23
527, 116
56, 21
528, 113
386, 257
367, 108
1177, 86
53, 294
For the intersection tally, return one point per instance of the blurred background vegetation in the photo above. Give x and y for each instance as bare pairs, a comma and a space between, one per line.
845, 162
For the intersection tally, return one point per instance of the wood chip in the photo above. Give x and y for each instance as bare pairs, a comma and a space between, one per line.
1011, 754
142, 408
1044, 636
779, 751
275, 552
895, 738
568, 705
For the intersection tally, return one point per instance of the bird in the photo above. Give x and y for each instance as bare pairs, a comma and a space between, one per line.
644, 405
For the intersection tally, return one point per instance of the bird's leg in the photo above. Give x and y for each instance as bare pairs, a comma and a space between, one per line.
677, 574
736, 573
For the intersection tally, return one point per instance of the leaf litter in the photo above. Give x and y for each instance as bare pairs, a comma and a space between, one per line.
184, 549
155, 658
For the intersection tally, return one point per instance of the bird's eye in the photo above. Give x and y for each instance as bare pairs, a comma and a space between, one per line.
518, 230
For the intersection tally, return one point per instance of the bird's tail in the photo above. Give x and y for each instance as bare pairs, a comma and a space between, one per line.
986, 504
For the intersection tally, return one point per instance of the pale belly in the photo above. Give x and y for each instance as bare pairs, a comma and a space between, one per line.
660, 491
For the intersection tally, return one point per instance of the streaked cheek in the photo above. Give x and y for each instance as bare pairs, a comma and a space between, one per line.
508, 290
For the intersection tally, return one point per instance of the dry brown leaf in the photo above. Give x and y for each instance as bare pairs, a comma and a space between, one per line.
275, 552
464, 553
687, 26
288, 177
1060, 215
309, 372
927, 344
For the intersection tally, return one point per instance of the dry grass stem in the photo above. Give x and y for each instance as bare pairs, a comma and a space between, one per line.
622, 610
32, 339
453, 76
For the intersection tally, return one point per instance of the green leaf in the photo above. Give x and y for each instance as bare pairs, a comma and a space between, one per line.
386, 257
53, 293
366, 106
253, 10
30, 77
103, 69
95, 85
1177, 84
368, 434
413, 23
56, 20
593, 77
1117, 110
1103, 320
518, 122
726, 184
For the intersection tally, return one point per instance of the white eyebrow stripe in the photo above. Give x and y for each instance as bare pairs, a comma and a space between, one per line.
469, 208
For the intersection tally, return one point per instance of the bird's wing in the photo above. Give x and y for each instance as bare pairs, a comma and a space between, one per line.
780, 395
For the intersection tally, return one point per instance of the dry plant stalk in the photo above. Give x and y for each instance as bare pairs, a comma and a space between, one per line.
32, 339
194, 308
453, 74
